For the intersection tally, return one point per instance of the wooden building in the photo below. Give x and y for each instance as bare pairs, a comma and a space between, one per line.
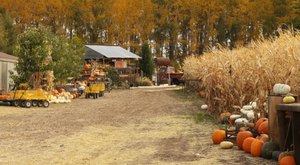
7, 64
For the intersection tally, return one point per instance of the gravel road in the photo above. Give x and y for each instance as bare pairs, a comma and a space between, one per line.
141, 126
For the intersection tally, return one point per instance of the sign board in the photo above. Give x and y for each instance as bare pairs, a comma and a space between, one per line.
120, 64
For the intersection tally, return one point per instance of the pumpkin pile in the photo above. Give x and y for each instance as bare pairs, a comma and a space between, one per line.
250, 133
61, 96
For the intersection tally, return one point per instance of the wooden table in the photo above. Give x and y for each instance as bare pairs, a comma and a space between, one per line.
289, 127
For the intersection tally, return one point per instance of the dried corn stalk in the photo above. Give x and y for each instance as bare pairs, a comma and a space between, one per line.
234, 78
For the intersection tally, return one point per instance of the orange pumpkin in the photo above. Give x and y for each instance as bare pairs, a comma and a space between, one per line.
263, 137
256, 148
259, 121
251, 125
202, 94
61, 90
285, 154
55, 92
264, 127
287, 160
87, 66
241, 136
247, 144
91, 78
218, 136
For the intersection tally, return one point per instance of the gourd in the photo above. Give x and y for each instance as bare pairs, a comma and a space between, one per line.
204, 106
241, 136
281, 89
256, 147
247, 107
226, 144
247, 144
218, 136
268, 148
288, 99
264, 127
259, 121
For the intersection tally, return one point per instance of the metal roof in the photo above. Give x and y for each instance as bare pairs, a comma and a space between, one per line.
101, 51
8, 58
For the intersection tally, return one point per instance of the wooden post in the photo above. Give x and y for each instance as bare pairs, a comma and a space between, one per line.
273, 119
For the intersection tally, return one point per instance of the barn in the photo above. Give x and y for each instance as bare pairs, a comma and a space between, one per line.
7, 64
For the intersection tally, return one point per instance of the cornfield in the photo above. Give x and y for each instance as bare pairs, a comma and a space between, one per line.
233, 78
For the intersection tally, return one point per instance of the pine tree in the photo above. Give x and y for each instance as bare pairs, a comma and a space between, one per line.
147, 63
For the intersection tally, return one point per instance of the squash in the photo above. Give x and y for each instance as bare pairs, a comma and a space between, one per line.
287, 160
259, 121
288, 99
241, 136
226, 144
275, 155
281, 89
204, 106
218, 136
247, 144
256, 147
268, 148
245, 112
264, 127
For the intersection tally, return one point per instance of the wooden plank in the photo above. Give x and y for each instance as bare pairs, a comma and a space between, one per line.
273, 119
296, 135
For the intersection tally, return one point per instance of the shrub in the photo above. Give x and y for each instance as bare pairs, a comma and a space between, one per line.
145, 81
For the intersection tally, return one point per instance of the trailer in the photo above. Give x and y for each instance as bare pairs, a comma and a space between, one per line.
95, 90
26, 98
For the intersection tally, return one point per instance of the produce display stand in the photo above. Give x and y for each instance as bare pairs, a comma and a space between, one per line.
289, 128
95, 78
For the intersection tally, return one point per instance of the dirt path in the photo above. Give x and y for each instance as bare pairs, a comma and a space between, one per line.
124, 127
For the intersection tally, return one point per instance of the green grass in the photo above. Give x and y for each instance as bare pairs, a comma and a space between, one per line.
193, 97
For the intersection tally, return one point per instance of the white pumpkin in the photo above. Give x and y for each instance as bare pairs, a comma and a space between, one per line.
226, 144
253, 104
281, 89
250, 115
234, 117
241, 121
247, 107
245, 112
204, 106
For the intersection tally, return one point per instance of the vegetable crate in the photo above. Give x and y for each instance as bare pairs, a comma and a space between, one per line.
95, 90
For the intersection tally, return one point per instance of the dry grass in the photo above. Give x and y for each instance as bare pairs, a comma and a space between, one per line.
246, 74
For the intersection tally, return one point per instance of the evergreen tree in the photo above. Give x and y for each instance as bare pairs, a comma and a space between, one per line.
147, 63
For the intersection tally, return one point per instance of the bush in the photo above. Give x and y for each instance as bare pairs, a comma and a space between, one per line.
114, 76
145, 81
